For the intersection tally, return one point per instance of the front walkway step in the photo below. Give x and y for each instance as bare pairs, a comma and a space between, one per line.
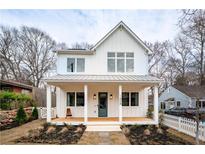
102, 128
103, 138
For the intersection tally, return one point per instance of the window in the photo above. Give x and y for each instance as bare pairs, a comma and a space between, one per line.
120, 55
80, 99
111, 54
71, 65
203, 104
120, 65
70, 99
111, 65
199, 104
125, 99
120, 62
80, 64
111, 62
129, 65
129, 62
134, 99
163, 105
178, 103
75, 99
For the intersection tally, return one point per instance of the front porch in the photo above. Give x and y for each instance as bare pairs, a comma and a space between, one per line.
103, 100
103, 120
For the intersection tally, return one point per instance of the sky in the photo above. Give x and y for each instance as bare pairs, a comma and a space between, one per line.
90, 26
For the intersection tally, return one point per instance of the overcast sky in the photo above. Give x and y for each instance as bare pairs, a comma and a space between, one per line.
71, 26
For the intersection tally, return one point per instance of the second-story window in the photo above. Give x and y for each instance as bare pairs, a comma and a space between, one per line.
111, 62
76, 65
129, 62
80, 64
120, 61
71, 65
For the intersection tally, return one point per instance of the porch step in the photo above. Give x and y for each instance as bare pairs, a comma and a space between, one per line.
103, 128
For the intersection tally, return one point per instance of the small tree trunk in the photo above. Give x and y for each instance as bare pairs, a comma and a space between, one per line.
197, 122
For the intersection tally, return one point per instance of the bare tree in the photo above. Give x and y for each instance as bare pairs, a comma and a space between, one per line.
82, 45
10, 54
61, 46
159, 63
192, 24
181, 59
38, 58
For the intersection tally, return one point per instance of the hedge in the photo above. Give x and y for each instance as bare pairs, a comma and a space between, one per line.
7, 99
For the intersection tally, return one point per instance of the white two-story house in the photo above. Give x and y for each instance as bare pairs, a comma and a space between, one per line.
106, 84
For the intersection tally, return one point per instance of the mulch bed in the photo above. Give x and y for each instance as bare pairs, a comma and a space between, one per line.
137, 136
70, 136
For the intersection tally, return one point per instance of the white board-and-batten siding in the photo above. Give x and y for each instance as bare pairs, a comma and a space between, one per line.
113, 104
119, 41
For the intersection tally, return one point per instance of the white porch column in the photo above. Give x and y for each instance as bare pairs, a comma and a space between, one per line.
120, 103
48, 98
85, 103
156, 111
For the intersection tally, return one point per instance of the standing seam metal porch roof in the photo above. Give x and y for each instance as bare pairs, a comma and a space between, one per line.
102, 78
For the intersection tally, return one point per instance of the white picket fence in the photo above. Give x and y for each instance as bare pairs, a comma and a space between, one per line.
42, 112
185, 125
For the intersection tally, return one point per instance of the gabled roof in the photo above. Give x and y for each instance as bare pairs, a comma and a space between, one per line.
192, 91
92, 50
121, 23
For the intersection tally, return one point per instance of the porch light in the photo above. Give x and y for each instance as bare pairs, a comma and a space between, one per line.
110, 96
94, 96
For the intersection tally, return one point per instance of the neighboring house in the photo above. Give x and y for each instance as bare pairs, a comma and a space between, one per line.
106, 84
182, 96
16, 87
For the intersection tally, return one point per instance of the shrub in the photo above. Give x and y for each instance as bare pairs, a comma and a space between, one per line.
35, 113
21, 116
6, 98
150, 112
23, 98
5, 105
9, 99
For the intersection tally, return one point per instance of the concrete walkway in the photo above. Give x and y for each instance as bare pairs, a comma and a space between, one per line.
103, 138
8, 136
103, 128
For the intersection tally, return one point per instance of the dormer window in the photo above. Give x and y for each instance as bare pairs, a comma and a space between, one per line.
73, 62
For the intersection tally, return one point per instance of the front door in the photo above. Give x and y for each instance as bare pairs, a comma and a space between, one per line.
102, 104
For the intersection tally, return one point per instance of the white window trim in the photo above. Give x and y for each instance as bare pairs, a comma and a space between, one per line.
75, 98
75, 70
130, 98
125, 61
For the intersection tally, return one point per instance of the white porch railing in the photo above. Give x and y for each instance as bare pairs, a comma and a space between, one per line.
42, 112
185, 125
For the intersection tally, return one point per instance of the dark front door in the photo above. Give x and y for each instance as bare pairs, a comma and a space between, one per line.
102, 104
